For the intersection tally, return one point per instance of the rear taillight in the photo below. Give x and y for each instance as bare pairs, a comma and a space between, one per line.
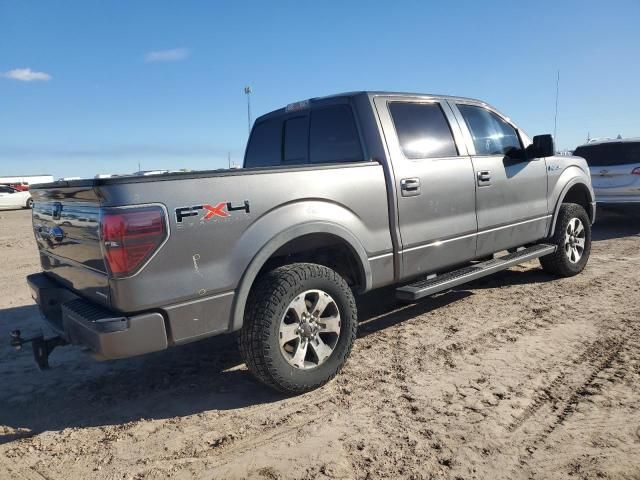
635, 171
130, 236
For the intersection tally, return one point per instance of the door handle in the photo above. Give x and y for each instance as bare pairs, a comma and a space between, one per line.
410, 187
484, 177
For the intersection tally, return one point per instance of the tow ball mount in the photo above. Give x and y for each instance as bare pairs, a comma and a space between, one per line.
42, 347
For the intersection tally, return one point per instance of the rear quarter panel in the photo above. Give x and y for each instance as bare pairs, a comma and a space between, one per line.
207, 258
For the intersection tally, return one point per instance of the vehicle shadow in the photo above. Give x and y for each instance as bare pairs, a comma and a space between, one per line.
80, 392
612, 224
194, 378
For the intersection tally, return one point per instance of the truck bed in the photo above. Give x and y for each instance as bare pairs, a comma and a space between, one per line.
207, 252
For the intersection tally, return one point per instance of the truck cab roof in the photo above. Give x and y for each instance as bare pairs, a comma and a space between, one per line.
346, 96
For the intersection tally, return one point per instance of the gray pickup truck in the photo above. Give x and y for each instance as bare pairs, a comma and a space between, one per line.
338, 195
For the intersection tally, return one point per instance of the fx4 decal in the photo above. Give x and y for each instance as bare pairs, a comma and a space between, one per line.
222, 209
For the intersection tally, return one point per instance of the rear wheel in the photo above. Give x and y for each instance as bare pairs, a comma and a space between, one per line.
572, 237
29, 203
299, 327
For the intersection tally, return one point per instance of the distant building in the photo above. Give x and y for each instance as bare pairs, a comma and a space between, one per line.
27, 179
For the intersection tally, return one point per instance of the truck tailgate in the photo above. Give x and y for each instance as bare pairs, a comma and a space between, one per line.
66, 223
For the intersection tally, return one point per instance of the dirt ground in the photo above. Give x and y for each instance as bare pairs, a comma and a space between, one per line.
519, 375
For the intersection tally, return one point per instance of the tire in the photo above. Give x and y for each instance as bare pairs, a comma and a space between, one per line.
569, 258
272, 316
29, 203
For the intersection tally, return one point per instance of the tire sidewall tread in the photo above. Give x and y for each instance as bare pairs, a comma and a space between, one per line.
266, 306
558, 263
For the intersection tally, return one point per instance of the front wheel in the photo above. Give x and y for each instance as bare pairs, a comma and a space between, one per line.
29, 203
572, 237
300, 324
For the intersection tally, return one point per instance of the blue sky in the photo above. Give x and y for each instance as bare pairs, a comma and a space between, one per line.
92, 86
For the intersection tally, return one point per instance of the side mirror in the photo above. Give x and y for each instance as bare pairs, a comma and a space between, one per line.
541, 147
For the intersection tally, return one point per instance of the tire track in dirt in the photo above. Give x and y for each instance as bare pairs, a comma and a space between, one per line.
406, 402
567, 396
549, 393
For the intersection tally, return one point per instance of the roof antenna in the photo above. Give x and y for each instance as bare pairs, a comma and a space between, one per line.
555, 120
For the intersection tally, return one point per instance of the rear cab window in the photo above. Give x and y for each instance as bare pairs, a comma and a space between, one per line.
264, 147
333, 136
323, 134
296, 139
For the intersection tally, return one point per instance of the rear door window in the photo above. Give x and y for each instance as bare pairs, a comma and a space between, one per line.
423, 130
333, 136
265, 145
610, 154
491, 135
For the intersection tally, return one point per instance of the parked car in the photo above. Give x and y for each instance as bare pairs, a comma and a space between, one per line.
615, 170
338, 196
20, 186
12, 198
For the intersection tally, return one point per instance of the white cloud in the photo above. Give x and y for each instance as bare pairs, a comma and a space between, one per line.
171, 55
26, 75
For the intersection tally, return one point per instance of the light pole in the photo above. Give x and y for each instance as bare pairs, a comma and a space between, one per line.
248, 91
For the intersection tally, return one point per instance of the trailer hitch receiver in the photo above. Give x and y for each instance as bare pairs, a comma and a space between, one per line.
42, 347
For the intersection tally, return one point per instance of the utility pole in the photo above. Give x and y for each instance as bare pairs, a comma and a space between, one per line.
248, 91
555, 121
229, 159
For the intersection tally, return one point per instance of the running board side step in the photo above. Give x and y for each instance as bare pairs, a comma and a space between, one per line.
424, 288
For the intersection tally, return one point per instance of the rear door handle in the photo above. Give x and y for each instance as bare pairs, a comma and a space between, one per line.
410, 187
484, 178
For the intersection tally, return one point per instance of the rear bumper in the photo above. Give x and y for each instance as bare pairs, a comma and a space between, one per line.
80, 322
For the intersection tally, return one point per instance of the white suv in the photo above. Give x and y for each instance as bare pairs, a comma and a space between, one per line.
615, 169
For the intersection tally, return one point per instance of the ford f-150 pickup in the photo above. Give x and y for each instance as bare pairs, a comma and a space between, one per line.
338, 195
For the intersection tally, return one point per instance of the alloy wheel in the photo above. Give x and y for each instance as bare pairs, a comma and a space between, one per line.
574, 239
310, 329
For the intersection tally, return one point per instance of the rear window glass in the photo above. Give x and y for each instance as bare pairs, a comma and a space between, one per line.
334, 137
423, 130
265, 144
296, 140
609, 154
325, 135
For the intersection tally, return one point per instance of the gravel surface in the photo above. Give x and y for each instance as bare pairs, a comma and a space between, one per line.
519, 375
